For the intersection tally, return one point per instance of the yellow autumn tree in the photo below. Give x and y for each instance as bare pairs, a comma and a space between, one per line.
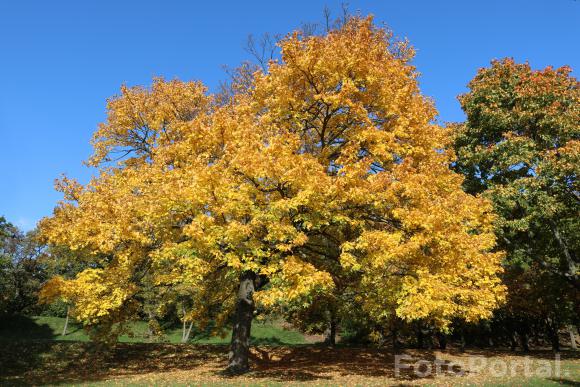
329, 162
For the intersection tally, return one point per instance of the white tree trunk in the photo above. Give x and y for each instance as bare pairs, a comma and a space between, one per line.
188, 333
64, 330
184, 325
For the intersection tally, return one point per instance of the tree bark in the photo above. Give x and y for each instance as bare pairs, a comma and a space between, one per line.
331, 333
64, 330
553, 333
395, 338
555, 342
514, 341
420, 338
188, 333
572, 337
240, 345
525, 340
569, 255
183, 330
150, 331
442, 339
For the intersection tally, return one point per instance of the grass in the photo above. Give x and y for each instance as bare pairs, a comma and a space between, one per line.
64, 363
32, 352
50, 328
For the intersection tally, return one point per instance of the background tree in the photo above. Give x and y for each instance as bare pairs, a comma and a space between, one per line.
65, 263
7, 231
520, 148
21, 270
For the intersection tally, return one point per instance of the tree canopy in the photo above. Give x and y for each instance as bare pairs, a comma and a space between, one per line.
519, 147
327, 165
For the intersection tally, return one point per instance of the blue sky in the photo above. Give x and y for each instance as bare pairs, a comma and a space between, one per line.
60, 60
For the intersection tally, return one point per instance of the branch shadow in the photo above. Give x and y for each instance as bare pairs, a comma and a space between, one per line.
310, 363
78, 362
67, 362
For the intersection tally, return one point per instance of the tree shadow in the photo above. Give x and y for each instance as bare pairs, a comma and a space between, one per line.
565, 382
74, 329
67, 362
310, 363
543, 354
17, 327
76, 362
208, 333
17, 356
267, 341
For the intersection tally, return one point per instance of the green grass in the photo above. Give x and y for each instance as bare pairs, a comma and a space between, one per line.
64, 363
50, 328
32, 352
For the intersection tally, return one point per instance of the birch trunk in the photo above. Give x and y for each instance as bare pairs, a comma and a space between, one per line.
64, 330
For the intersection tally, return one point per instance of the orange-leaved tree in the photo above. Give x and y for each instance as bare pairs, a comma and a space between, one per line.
327, 165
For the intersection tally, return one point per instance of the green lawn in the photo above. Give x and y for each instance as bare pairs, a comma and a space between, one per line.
32, 352
50, 328
68, 363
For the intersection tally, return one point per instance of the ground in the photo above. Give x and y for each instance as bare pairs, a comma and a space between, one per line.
46, 361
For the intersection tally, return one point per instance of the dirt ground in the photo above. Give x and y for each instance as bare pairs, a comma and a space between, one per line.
62, 363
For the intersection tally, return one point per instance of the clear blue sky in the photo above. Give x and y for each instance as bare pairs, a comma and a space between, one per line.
60, 60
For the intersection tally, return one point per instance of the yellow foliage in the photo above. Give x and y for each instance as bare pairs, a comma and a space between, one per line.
331, 156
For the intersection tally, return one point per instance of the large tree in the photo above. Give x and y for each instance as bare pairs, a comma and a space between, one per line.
327, 161
520, 148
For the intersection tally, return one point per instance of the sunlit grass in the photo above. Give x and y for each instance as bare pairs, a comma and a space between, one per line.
50, 328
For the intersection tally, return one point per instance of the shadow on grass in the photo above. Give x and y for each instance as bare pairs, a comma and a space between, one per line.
267, 341
75, 329
540, 354
565, 382
16, 356
17, 327
320, 363
76, 362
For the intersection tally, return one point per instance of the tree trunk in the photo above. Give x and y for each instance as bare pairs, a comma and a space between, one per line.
64, 332
568, 254
572, 337
555, 342
553, 333
395, 337
525, 340
514, 341
150, 331
442, 339
331, 332
183, 330
188, 333
240, 345
420, 338
428, 338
